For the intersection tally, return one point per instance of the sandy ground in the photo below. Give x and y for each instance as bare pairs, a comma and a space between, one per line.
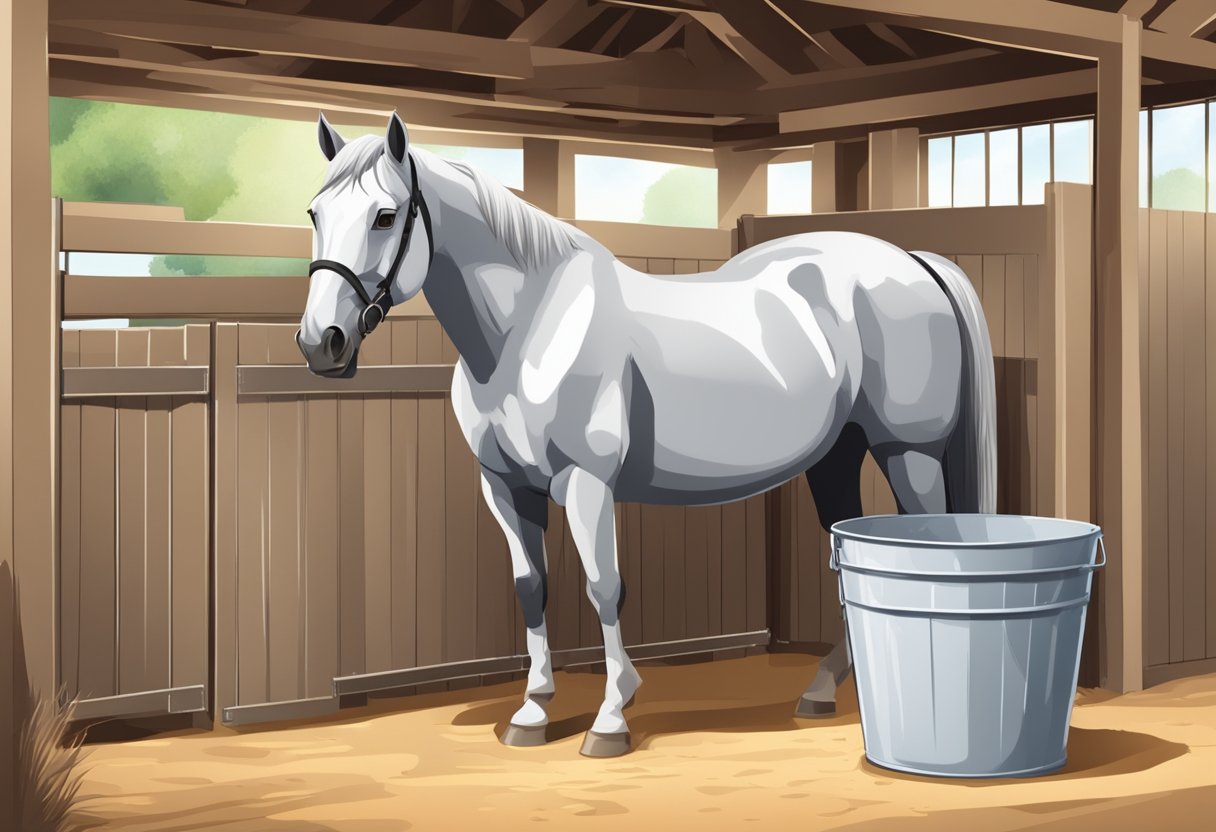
717, 748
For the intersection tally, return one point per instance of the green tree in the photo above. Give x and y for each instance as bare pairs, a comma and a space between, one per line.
683, 196
1180, 189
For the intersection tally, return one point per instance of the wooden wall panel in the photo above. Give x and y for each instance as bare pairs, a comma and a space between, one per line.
134, 501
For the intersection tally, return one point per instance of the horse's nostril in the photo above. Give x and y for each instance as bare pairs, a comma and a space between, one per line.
333, 342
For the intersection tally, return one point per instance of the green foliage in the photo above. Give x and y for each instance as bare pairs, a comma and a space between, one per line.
684, 196
1180, 189
171, 265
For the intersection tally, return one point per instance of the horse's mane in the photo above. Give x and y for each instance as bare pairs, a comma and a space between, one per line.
531, 236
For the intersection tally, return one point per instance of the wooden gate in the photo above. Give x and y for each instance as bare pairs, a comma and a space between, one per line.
134, 521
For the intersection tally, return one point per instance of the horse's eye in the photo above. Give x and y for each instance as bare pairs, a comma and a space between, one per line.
386, 219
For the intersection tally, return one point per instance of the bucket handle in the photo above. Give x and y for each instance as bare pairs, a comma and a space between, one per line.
834, 565
1098, 564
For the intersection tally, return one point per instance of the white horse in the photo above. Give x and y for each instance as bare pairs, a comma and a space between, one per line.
583, 380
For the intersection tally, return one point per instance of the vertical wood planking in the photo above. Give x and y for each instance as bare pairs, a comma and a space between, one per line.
734, 568
403, 411
631, 614
674, 574
252, 529
696, 565
1014, 404
227, 549
432, 486
713, 568
351, 539
808, 560
321, 546
98, 546
460, 560
69, 526
1157, 554
993, 298
132, 351
377, 511
652, 523
166, 347
757, 564
1030, 308
1176, 425
1210, 462
1194, 438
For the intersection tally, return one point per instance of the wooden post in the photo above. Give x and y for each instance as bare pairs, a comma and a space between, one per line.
549, 176
29, 402
742, 184
1118, 474
894, 163
823, 177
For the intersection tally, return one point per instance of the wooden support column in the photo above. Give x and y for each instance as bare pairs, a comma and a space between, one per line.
894, 163
1118, 474
742, 184
823, 177
29, 404
549, 176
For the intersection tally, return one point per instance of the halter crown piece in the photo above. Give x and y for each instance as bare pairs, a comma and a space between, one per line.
375, 307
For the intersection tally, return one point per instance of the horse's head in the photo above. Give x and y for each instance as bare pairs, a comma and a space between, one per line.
369, 250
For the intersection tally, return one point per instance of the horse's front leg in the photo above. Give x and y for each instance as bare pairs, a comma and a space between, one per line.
523, 514
590, 513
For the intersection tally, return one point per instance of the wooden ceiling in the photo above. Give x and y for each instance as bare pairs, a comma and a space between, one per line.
698, 73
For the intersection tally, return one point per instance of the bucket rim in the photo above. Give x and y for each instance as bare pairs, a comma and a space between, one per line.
1085, 530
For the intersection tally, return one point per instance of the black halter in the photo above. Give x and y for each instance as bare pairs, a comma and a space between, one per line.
375, 307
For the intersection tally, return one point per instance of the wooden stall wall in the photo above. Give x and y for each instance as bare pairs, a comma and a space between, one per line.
1010, 255
354, 552
1178, 281
134, 521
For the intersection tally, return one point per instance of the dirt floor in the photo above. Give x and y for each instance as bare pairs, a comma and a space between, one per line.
717, 748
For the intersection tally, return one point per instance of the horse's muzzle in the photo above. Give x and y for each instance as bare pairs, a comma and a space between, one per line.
333, 356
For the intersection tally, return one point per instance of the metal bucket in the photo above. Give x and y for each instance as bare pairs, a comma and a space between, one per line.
966, 632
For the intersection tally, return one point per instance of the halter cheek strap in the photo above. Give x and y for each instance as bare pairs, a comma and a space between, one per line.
375, 307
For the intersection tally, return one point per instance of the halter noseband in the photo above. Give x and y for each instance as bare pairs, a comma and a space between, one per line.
376, 307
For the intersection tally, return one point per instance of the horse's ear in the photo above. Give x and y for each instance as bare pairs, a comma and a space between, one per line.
328, 138
397, 140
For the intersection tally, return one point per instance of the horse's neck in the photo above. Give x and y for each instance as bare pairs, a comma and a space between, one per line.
474, 285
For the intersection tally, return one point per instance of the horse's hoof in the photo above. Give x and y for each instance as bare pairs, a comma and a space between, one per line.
523, 736
605, 745
815, 708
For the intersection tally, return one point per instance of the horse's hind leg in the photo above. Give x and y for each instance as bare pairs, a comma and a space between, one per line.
835, 483
916, 476
523, 514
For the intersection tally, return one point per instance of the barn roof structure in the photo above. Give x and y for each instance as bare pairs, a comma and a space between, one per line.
692, 73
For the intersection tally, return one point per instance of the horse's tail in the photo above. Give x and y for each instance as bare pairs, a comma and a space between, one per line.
970, 460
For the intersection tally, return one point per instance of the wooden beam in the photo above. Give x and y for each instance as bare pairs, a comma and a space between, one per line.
549, 176
83, 382
290, 380
556, 21
1118, 474
1184, 17
204, 24
940, 102
894, 168
823, 177
742, 184
768, 31
29, 366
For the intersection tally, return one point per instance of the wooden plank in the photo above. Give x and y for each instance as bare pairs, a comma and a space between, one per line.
807, 562
227, 516
1210, 484
69, 526
252, 557
685, 266
132, 523
164, 347
713, 568
1175, 430
1194, 438
634, 240
97, 670
377, 511
653, 555
405, 497
734, 567
190, 471
1014, 410
757, 565
139, 382
1030, 300
675, 625
322, 547
432, 546
696, 566
170, 236
1158, 614
298, 381
351, 538
460, 559
285, 581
